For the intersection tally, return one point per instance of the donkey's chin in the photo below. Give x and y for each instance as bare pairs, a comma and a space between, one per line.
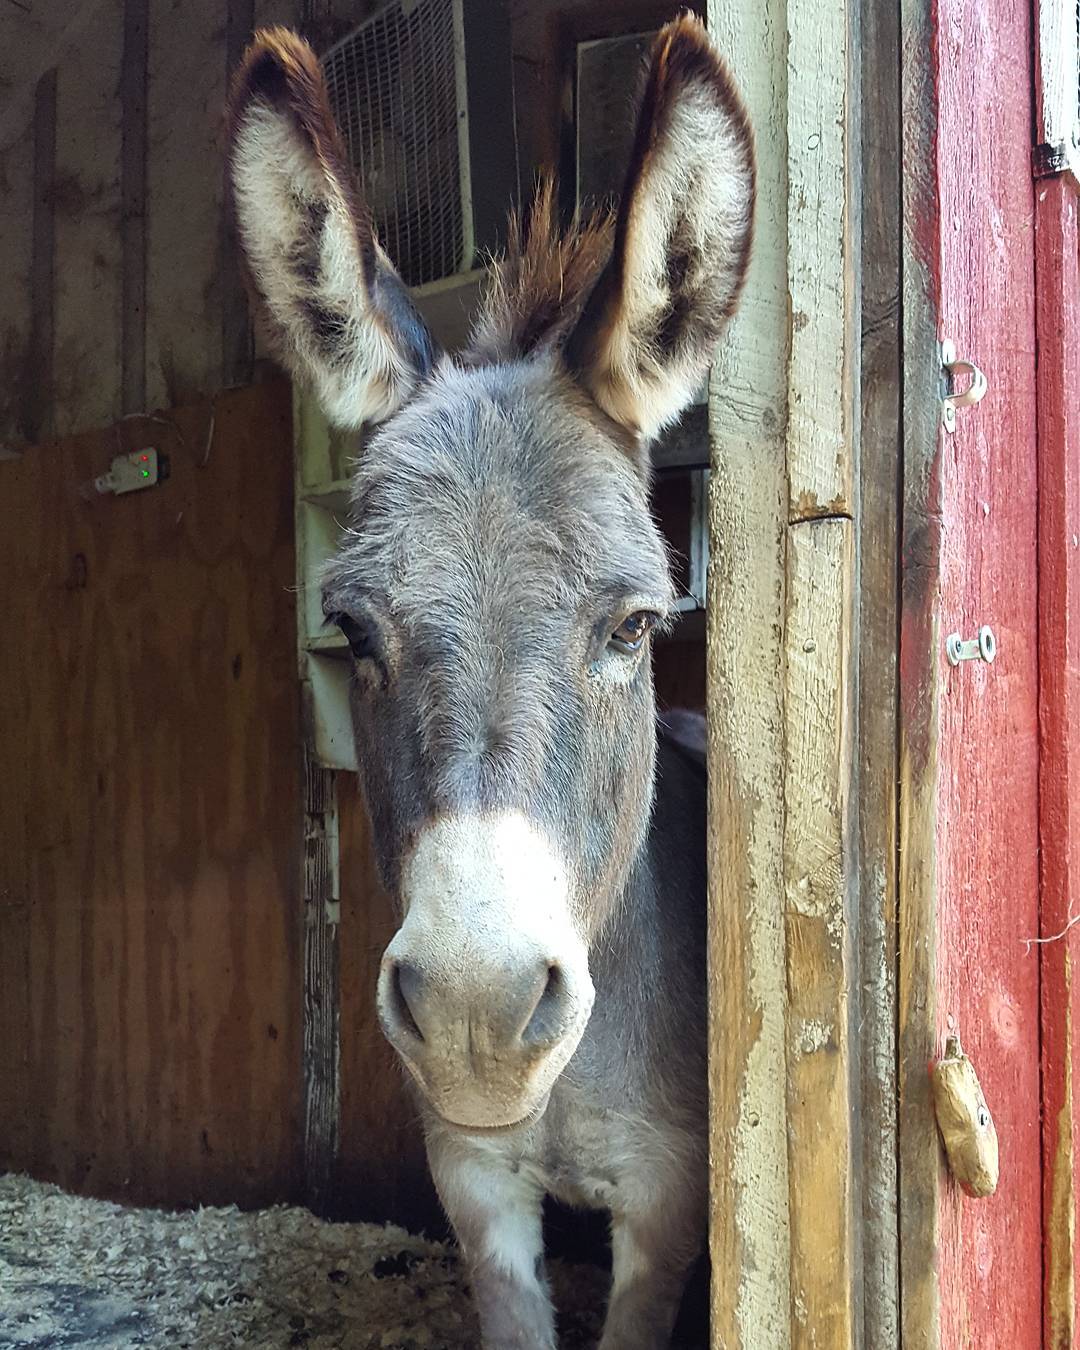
480, 1118
483, 1103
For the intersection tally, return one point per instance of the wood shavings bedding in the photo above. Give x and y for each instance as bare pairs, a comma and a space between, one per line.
79, 1272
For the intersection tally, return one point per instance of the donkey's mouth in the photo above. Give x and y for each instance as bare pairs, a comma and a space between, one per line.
523, 1122
509, 1127
481, 1107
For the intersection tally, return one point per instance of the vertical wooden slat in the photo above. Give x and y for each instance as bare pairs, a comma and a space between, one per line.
971, 1274
133, 77
920, 681
321, 1041
782, 586
1057, 288
749, 1229
877, 518
269, 12
820, 846
38, 412
16, 302
822, 254
237, 337
184, 199
89, 253
817, 862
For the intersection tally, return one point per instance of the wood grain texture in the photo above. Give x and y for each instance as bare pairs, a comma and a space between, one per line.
969, 780
148, 874
822, 249
133, 216
38, 410
1057, 288
186, 94
322, 1005
748, 493
920, 670
877, 523
237, 333
817, 740
34, 39
16, 247
88, 258
987, 816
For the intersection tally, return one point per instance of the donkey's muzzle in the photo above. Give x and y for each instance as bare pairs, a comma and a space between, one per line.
529, 1013
486, 1050
485, 989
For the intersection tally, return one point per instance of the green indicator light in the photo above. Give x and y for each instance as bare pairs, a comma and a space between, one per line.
146, 473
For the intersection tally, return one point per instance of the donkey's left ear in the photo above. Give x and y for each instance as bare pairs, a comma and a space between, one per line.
682, 239
338, 315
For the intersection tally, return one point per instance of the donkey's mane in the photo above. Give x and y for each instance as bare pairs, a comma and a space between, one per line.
536, 290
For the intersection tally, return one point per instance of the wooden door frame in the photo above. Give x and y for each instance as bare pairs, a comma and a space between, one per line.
1057, 286
919, 691
794, 1194
1057, 317
763, 1286
925, 1193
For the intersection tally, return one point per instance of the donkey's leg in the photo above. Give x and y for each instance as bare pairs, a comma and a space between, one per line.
652, 1256
497, 1216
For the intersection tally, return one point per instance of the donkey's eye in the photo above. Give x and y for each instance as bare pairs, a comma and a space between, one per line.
356, 634
633, 630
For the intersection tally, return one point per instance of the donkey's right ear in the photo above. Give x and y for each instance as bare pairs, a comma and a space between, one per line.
682, 239
338, 315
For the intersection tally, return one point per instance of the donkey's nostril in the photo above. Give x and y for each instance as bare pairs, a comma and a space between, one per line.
547, 1024
406, 997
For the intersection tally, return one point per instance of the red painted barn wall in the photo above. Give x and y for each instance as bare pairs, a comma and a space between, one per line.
987, 825
1057, 283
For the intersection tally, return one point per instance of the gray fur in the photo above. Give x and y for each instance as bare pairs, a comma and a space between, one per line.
489, 518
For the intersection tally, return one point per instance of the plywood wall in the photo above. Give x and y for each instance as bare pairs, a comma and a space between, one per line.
149, 814
150, 971
119, 292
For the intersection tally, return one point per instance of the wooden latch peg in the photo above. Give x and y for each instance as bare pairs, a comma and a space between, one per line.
965, 1122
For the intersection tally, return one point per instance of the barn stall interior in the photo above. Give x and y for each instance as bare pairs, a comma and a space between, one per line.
190, 920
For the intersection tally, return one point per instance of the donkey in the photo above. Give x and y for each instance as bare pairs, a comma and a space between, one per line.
499, 586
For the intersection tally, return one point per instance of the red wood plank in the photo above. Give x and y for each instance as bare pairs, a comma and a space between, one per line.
1057, 285
989, 1271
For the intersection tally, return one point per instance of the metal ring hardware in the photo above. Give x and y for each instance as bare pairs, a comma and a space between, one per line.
964, 398
981, 648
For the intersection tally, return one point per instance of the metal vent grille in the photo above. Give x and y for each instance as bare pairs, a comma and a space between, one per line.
397, 89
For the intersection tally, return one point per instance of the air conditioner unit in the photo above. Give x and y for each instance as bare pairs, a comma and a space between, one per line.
423, 94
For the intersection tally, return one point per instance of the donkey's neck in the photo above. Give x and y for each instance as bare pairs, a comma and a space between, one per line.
649, 966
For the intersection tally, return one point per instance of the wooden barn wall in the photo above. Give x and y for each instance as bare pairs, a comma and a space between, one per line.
120, 291
122, 294
149, 813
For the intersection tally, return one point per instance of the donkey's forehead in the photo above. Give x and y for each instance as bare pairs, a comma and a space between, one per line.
497, 470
